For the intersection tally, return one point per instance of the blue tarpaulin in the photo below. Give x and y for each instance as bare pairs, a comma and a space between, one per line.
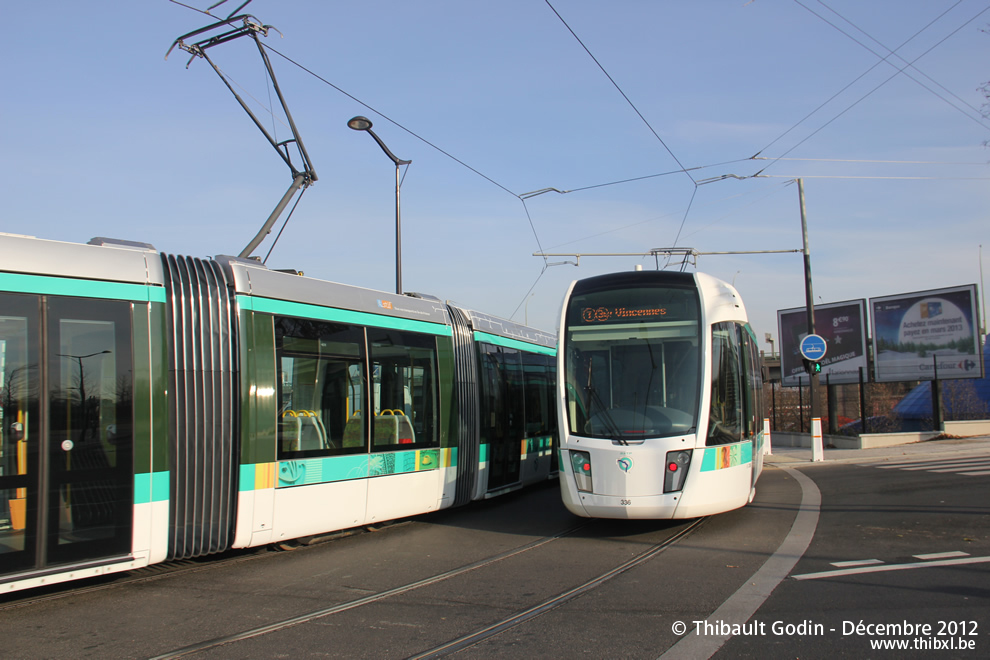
961, 399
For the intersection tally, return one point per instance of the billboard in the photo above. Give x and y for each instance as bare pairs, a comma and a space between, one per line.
915, 334
842, 325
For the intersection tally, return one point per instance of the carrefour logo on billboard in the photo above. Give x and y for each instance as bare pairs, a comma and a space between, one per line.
917, 336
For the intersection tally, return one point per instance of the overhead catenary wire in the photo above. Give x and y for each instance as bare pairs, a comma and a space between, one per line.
978, 115
631, 179
213, 6
869, 93
874, 177
870, 160
621, 92
839, 92
389, 119
685, 170
521, 196
410, 132
524, 196
694, 192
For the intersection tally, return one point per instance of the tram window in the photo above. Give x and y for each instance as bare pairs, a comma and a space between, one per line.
18, 407
84, 395
404, 398
503, 394
539, 401
749, 373
551, 395
633, 387
725, 418
632, 362
756, 384
494, 397
588, 387
321, 388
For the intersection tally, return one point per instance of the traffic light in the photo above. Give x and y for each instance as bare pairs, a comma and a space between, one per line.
812, 366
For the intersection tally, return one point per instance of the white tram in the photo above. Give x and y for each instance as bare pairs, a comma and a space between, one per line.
156, 407
659, 397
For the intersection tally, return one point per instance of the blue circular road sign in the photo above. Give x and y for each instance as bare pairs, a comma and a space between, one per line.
813, 347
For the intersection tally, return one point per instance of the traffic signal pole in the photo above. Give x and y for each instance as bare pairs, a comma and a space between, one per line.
817, 448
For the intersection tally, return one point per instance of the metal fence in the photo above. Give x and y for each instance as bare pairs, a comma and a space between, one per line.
889, 407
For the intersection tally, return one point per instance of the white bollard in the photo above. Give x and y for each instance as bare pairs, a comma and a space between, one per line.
817, 447
767, 447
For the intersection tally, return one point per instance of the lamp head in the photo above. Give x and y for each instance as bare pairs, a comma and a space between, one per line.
359, 123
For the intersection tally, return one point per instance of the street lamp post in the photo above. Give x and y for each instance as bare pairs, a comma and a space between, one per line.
364, 124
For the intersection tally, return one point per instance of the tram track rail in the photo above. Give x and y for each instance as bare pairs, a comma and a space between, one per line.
467, 640
366, 600
174, 568
64, 590
471, 639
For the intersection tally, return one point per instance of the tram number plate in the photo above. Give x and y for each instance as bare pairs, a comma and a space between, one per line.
625, 502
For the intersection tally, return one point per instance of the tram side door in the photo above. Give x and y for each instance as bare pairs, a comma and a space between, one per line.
66, 485
19, 426
90, 470
503, 420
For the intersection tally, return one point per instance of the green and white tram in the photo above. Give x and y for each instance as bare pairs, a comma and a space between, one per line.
157, 407
659, 397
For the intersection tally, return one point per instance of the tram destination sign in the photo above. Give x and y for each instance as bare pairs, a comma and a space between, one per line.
633, 305
603, 314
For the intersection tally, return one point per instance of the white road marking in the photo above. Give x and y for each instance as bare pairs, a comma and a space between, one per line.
742, 605
892, 567
938, 466
942, 555
974, 466
857, 562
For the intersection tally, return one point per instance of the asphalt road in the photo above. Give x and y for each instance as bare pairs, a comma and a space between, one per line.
521, 577
909, 528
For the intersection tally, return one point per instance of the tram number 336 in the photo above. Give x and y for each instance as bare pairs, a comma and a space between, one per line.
625, 502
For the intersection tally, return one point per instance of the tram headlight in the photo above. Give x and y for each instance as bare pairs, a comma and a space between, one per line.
676, 470
581, 465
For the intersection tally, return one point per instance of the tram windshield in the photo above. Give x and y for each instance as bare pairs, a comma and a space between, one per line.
632, 362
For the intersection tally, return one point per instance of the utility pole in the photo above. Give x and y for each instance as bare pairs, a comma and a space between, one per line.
817, 451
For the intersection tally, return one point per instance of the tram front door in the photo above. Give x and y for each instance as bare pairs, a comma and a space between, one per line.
66, 467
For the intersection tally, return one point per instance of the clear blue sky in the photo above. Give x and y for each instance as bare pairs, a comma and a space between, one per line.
101, 136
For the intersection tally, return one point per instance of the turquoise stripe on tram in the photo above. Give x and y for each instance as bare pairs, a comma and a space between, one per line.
66, 286
726, 456
330, 469
306, 310
513, 343
151, 487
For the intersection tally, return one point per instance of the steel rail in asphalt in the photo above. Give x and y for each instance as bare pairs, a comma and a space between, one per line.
479, 636
317, 614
